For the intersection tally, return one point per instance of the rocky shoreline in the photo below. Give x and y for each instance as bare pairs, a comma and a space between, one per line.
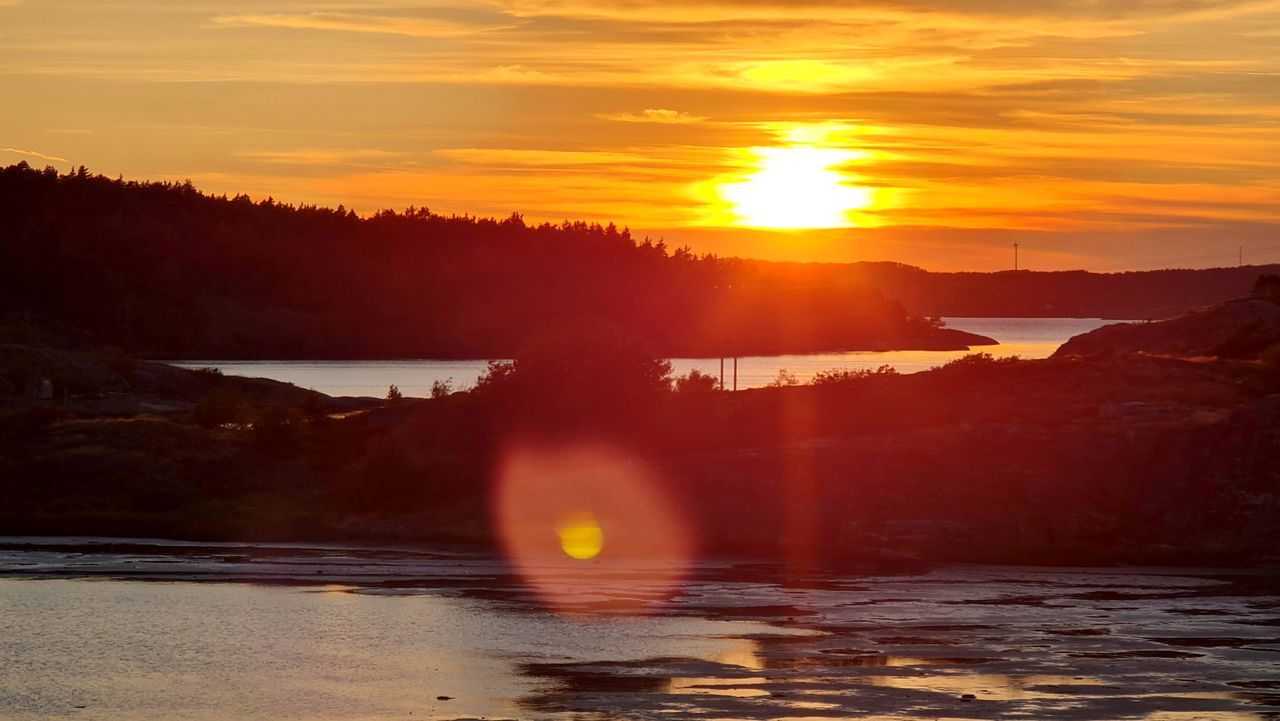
1113, 452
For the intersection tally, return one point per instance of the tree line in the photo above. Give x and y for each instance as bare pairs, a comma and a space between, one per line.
165, 270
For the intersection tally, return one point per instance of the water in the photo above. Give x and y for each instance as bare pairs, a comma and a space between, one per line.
223, 632
1025, 337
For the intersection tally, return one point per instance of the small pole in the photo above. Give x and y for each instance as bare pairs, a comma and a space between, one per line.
721, 372
735, 373
1015, 255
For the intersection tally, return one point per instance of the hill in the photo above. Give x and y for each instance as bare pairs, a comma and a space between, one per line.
1134, 295
167, 271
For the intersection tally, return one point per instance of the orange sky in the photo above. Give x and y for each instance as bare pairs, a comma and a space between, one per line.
1103, 134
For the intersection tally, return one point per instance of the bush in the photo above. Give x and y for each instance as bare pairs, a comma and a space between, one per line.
590, 361
696, 382
394, 394
838, 376
981, 360
498, 374
783, 379
442, 389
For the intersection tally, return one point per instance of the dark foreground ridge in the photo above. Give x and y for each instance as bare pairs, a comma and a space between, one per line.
1120, 457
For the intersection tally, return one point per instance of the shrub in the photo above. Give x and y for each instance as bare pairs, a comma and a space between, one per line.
394, 394
783, 379
837, 376
589, 362
442, 389
981, 360
497, 374
696, 382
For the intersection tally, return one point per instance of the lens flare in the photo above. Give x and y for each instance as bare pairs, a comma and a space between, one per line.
555, 507
581, 537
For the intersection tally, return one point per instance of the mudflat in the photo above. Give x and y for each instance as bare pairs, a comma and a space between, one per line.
114, 629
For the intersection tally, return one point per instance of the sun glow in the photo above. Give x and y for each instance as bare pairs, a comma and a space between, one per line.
802, 184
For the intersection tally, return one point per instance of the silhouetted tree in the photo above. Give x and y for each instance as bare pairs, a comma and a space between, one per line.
441, 389
696, 382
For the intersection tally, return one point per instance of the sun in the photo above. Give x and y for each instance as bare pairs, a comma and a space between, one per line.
796, 188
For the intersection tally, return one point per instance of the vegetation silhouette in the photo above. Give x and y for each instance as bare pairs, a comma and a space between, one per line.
695, 381
164, 270
1142, 457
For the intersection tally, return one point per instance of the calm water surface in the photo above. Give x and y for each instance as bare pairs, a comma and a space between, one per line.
1025, 337
91, 629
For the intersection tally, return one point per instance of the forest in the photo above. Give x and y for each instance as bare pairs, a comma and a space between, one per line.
164, 270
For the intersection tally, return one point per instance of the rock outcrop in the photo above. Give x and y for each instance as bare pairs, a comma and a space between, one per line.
1236, 329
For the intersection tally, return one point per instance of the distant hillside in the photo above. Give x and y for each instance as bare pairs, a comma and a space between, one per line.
1144, 295
1245, 329
164, 270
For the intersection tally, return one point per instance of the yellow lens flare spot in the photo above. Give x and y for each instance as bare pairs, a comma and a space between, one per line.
580, 536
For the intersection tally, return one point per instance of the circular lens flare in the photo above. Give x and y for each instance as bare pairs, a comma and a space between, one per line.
554, 507
581, 537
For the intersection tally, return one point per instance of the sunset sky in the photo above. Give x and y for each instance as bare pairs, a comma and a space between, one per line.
1103, 134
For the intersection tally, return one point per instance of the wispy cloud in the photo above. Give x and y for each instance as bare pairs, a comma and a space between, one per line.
417, 27
320, 156
34, 154
653, 115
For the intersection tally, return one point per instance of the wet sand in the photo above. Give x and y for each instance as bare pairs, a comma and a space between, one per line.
111, 630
